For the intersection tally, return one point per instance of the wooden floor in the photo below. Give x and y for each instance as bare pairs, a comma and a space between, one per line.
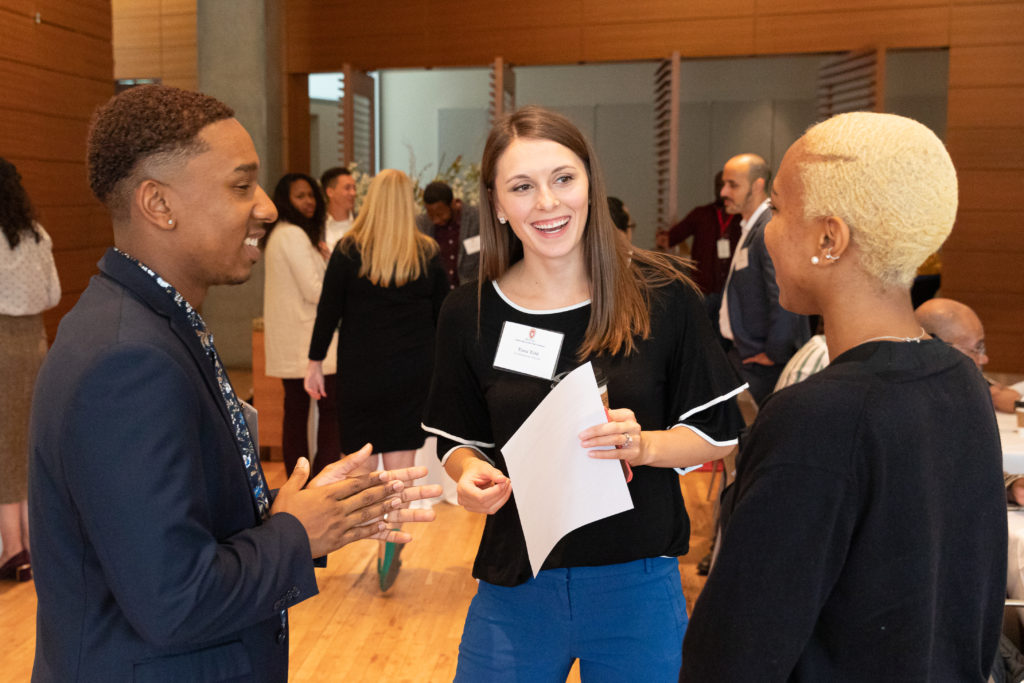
351, 631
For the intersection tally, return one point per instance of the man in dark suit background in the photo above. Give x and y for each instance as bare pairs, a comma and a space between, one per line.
761, 334
160, 555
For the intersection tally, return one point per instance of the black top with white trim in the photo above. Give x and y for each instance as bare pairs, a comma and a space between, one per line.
677, 377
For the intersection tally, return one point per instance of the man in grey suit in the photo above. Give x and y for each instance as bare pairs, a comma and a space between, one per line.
761, 334
456, 230
160, 553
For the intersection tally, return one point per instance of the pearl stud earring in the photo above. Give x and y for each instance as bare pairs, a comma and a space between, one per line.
815, 260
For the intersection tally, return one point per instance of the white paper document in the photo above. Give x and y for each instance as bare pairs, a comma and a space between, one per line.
558, 487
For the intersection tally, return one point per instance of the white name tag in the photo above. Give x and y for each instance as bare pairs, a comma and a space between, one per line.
472, 244
740, 262
528, 350
724, 249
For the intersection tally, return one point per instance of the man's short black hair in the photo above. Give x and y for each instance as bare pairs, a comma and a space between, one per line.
328, 177
438, 191
142, 122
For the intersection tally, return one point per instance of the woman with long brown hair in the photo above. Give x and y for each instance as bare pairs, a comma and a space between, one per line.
384, 285
609, 594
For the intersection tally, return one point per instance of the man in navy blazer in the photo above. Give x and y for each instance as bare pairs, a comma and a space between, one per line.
159, 554
763, 335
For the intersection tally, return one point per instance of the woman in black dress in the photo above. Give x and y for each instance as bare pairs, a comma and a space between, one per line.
384, 285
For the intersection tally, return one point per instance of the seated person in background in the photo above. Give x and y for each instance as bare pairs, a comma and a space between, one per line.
959, 326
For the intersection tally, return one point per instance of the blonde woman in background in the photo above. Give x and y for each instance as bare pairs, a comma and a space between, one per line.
384, 285
28, 286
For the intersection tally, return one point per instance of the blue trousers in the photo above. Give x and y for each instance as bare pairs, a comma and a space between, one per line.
624, 622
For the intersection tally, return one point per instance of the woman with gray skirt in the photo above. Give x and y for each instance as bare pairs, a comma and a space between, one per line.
28, 286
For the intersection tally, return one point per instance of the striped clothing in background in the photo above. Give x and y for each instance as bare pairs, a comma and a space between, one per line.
812, 357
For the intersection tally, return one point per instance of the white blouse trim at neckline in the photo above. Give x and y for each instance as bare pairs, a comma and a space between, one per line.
532, 311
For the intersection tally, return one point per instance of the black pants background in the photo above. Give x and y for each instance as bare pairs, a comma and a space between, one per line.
294, 439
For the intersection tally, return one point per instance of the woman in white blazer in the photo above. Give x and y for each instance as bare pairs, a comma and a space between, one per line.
295, 262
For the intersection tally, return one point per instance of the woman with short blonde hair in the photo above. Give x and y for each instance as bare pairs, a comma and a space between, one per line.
854, 485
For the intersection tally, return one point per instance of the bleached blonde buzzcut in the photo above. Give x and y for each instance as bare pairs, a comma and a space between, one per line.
890, 178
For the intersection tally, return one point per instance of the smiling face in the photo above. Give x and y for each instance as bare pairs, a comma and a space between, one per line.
542, 189
341, 196
220, 212
300, 194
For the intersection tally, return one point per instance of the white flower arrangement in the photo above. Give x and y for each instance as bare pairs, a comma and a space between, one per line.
463, 178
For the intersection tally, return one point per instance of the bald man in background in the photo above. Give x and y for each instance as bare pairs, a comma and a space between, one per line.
959, 326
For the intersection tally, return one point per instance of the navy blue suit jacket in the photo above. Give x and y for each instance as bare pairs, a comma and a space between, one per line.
149, 558
758, 322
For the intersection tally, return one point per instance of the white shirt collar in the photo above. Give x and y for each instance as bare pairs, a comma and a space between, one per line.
745, 225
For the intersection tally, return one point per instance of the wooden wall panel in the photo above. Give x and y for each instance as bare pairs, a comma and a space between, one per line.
382, 17
56, 183
619, 12
91, 17
825, 6
54, 74
986, 66
986, 190
1000, 107
848, 30
59, 139
999, 270
987, 148
995, 229
994, 24
75, 267
539, 45
69, 218
156, 39
55, 48
655, 40
31, 89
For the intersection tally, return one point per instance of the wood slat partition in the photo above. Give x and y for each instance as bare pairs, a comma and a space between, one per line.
54, 73
666, 125
503, 89
852, 81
